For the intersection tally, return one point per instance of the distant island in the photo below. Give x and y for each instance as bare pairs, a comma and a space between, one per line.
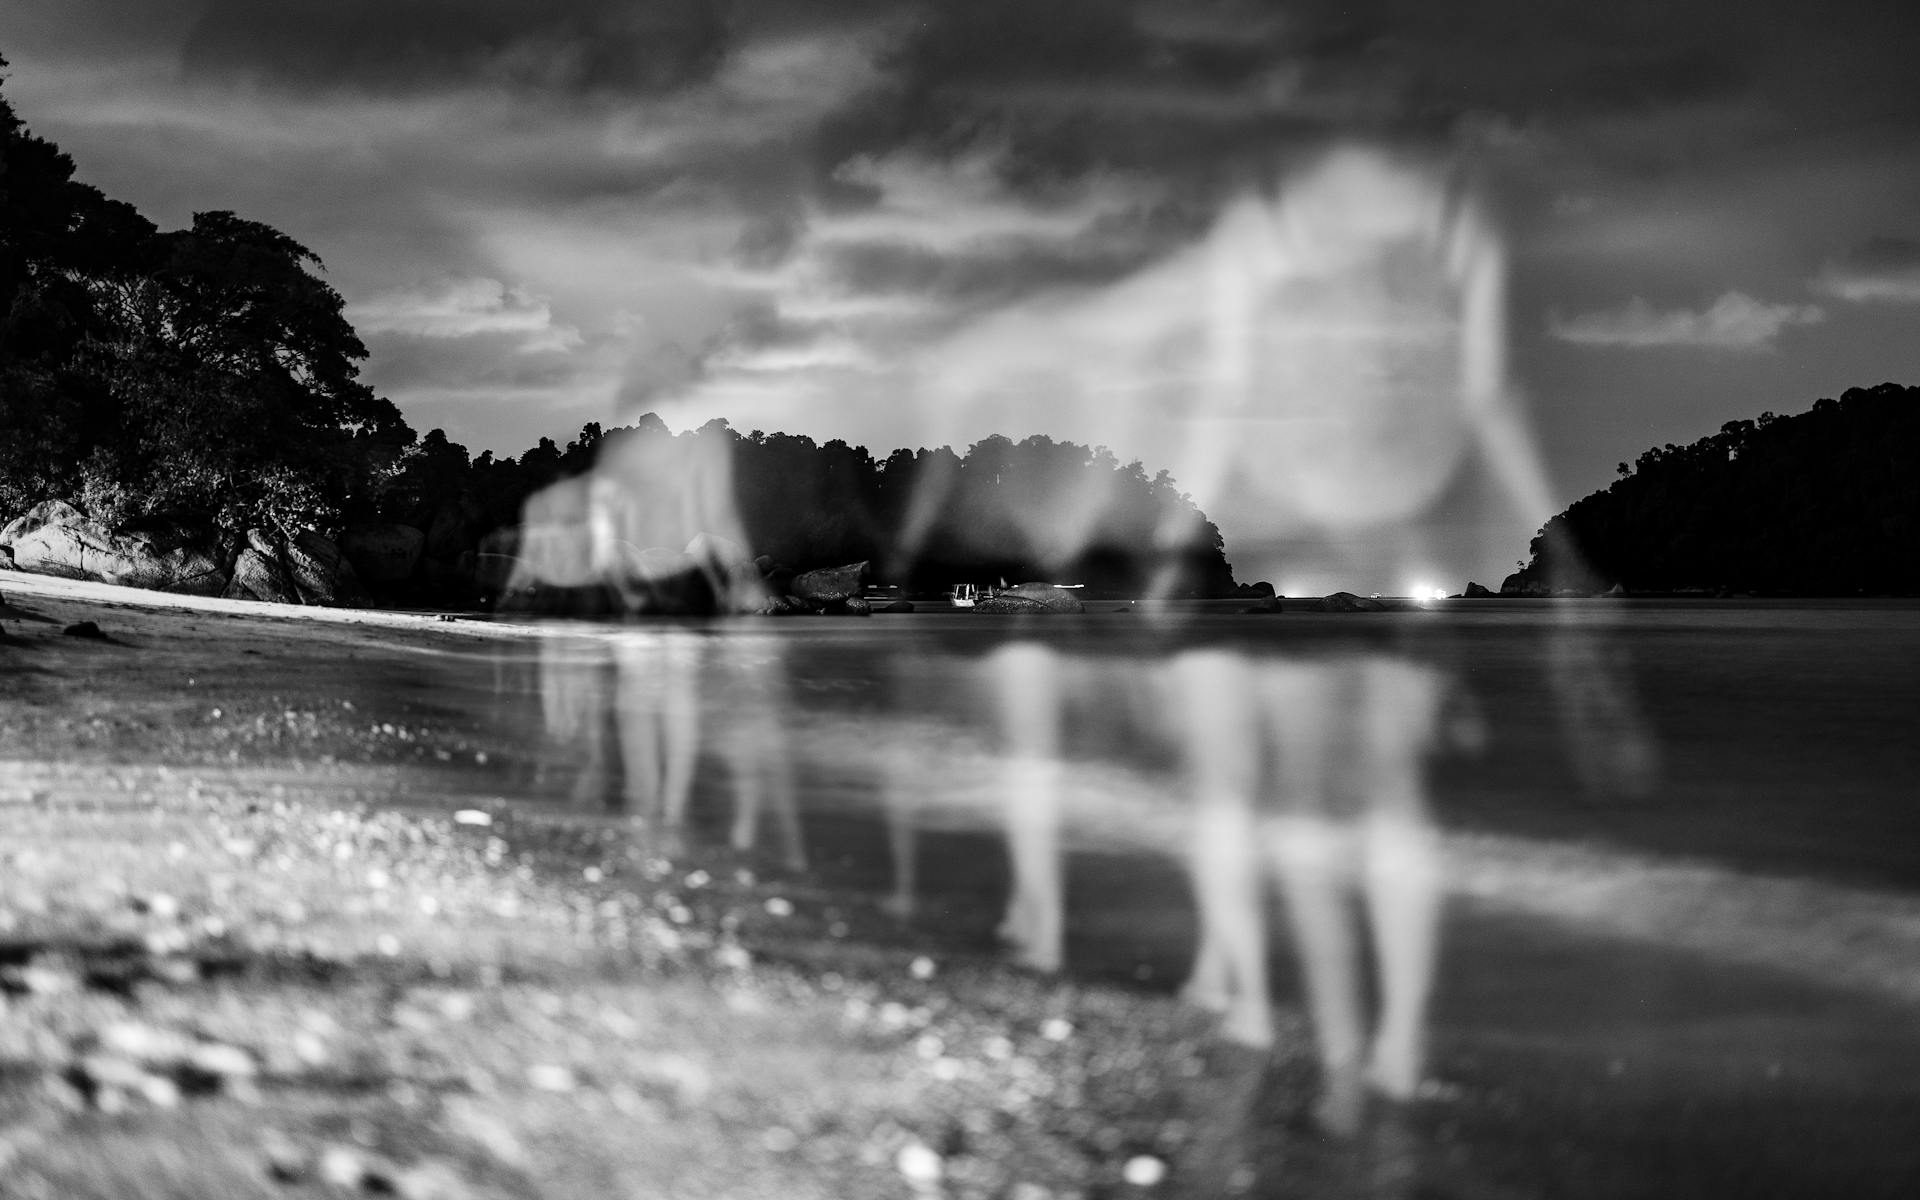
183, 410
1822, 503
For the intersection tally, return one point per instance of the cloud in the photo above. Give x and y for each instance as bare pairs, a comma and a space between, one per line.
573, 46
1884, 270
1736, 321
464, 308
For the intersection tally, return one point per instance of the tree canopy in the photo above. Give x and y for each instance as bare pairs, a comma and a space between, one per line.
207, 370
1826, 502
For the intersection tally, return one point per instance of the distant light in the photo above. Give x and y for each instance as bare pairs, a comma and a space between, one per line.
1424, 592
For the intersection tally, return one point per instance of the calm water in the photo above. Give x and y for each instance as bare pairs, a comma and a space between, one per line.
1619, 898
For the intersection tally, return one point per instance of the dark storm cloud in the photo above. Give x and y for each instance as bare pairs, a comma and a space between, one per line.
400, 46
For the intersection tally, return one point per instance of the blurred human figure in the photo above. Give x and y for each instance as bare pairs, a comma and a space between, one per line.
1342, 824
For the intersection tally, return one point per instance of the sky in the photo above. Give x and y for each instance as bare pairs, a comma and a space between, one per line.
913, 223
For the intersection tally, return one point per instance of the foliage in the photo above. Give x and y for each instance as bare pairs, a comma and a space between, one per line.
1823, 503
206, 371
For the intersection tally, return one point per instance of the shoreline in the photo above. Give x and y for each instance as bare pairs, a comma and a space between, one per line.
284, 892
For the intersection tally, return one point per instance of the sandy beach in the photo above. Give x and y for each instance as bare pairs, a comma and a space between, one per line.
266, 931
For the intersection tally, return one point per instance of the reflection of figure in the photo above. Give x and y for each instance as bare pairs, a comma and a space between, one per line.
749, 690
576, 693
659, 720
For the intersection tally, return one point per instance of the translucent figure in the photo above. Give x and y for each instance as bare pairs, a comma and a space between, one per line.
652, 527
1025, 681
1339, 818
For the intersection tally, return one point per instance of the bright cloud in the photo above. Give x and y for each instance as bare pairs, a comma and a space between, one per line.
1736, 321
469, 307
1884, 270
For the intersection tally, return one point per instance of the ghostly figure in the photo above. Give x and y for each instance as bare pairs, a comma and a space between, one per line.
651, 528
1314, 771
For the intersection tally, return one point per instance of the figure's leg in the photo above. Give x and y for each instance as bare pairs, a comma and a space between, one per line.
1026, 685
1220, 738
680, 734
1403, 872
1312, 854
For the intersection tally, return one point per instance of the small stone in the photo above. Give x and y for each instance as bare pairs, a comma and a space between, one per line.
473, 816
551, 1077
160, 1091
1144, 1171
159, 906
388, 945
1056, 1029
919, 1165
343, 1167
922, 968
779, 906
222, 1061
84, 629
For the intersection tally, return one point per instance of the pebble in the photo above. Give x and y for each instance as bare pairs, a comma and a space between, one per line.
1144, 1170
551, 1077
342, 1167
473, 816
919, 1165
779, 906
222, 1061
922, 968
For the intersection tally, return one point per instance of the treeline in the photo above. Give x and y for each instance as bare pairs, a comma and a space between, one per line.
209, 375
1824, 503
924, 518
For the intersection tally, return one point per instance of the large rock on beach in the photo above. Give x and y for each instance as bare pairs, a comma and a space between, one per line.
41, 515
303, 569
1476, 591
829, 585
1031, 597
161, 554
321, 571
259, 575
383, 553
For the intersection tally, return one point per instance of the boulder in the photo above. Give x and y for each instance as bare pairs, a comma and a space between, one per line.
1006, 604
41, 515
260, 576
321, 572
1346, 602
1048, 597
165, 555
830, 585
383, 553
1476, 591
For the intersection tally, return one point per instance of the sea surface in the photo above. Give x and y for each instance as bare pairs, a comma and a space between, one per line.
1646, 873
